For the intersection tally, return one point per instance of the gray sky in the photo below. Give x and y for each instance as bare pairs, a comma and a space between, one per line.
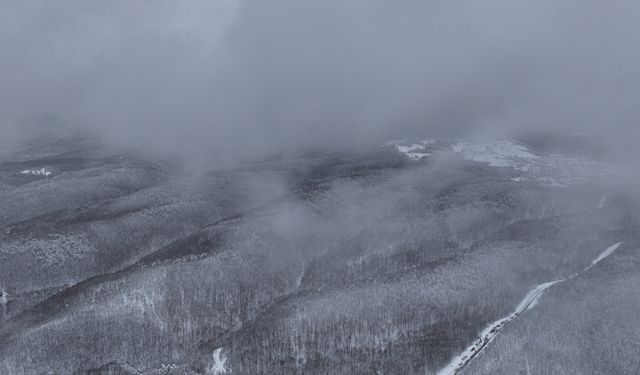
252, 76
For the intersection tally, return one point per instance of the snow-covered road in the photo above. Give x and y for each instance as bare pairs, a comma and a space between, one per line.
491, 331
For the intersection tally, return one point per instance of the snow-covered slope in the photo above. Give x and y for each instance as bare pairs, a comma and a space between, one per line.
496, 153
529, 301
556, 170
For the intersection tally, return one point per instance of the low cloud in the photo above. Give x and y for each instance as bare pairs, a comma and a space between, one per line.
249, 76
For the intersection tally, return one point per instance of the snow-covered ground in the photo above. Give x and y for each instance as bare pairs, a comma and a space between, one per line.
491, 331
496, 153
604, 254
219, 365
37, 172
554, 170
529, 301
414, 151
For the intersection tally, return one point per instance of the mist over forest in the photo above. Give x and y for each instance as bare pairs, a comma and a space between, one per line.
319, 187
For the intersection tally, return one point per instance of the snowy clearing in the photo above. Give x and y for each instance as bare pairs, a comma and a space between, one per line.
495, 153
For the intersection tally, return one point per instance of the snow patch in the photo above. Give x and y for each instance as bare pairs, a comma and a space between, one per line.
414, 151
604, 254
36, 172
532, 298
495, 153
553, 170
219, 363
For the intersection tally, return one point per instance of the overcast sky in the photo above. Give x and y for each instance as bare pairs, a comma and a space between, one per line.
222, 75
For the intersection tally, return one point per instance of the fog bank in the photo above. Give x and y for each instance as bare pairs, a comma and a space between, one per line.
249, 77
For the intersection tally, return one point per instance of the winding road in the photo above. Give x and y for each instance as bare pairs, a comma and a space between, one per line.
491, 331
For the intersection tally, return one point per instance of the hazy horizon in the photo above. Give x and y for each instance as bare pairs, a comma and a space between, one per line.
214, 77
